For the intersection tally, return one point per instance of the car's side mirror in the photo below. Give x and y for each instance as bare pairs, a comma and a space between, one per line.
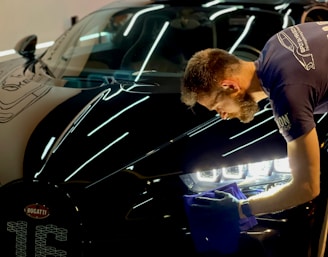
26, 47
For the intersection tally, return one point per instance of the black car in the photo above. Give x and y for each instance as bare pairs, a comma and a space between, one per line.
98, 153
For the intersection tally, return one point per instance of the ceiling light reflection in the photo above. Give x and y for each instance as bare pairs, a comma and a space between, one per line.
243, 34
224, 11
95, 35
252, 127
96, 155
137, 14
250, 143
286, 19
322, 117
48, 147
211, 3
159, 36
117, 114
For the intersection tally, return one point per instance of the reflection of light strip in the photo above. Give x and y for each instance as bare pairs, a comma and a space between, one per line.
117, 114
224, 11
44, 45
256, 125
286, 19
250, 143
322, 117
96, 155
243, 35
69, 129
281, 6
7, 52
94, 35
109, 96
137, 14
142, 203
202, 127
66, 133
160, 34
77, 120
38, 46
209, 4
139, 85
267, 107
48, 146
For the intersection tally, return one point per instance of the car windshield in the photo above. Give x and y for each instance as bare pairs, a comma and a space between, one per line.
156, 40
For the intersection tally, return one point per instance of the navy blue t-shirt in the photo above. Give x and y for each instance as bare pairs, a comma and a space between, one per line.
293, 69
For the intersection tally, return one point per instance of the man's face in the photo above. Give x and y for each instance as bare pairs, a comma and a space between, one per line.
247, 108
240, 106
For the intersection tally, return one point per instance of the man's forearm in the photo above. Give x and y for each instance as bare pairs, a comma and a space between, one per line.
278, 198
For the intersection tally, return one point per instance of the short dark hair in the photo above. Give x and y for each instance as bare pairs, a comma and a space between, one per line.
204, 69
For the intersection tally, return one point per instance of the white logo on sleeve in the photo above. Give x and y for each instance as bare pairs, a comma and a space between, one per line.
283, 122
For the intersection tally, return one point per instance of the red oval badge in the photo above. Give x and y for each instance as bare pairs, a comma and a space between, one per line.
37, 211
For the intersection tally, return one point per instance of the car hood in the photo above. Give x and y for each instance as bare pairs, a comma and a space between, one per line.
125, 125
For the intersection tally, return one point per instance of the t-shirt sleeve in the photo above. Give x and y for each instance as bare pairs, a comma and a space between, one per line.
293, 107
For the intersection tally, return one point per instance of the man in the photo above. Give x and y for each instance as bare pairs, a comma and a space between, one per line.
292, 71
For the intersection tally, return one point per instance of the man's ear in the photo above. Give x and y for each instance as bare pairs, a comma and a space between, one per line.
230, 86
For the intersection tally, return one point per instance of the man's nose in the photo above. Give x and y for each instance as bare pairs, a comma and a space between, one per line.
223, 115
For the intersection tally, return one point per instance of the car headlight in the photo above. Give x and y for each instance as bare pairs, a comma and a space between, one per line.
281, 165
269, 172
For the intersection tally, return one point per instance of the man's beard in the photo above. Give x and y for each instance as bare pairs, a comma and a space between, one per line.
248, 108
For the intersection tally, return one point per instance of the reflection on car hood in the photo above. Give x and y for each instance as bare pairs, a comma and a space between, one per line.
111, 129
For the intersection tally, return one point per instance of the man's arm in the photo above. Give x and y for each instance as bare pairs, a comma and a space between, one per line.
304, 161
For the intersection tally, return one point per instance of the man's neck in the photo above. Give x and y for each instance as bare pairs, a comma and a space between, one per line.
255, 89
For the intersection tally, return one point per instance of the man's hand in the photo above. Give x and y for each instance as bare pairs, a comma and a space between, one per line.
224, 205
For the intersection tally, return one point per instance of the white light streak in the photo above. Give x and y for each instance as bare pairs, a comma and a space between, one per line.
281, 6
142, 203
250, 143
38, 46
137, 14
322, 117
286, 19
203, 127
96, 155
94, 35
44, 45
209, 4
224, 11
47, 148
243, 34
7, 52
117, 114
251, 128
159, 36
